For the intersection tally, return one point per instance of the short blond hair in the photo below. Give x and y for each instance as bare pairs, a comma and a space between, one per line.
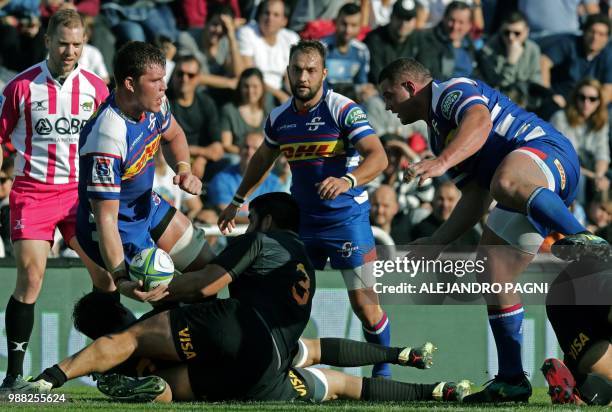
66, 18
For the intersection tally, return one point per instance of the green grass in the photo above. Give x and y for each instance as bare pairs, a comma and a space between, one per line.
88, 399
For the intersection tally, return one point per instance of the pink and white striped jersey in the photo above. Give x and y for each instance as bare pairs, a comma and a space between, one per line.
43, 118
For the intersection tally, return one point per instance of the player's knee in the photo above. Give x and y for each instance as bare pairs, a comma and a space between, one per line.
28, 286
503, 187
369, 315
191, 245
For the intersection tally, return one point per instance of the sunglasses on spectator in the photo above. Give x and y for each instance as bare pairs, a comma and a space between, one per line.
181, 73
4, 179
591, 99
507, 33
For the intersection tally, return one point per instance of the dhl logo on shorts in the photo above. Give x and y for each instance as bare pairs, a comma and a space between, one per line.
297, 384
186, 344
577, 345
312, 150
147, 155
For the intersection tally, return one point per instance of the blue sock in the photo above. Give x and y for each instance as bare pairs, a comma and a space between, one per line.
547, 210
380, 334
507, 327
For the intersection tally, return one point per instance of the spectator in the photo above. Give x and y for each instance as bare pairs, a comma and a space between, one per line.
598, 214
219, 53
23, 41
196, 113
192, 15
551, 17
222, 187
445, 199
573, 57
585, 122
247, 114
509, 57
388, 43
348, 59
91, 58
169, 49
431, 13
385, 214
414, 201
446, 49
265, 44
141, 21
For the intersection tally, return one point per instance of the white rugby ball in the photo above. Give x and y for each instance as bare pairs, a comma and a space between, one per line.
153, 267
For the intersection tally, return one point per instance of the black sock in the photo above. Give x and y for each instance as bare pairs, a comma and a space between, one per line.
595, 389
53, 375
19, 322
346, 352
379, 389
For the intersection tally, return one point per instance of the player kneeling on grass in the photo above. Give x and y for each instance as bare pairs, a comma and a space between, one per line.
579, 308
240, 348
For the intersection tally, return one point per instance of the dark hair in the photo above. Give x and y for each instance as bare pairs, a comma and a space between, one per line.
349, 9
264, 4
281, 206
597, 19
515, 17
66, 18
219, 9
405, 66
309, 46
133, 59
250, 72
457, 5
97, 314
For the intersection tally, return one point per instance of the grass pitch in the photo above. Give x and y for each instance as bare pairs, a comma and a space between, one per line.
89, 399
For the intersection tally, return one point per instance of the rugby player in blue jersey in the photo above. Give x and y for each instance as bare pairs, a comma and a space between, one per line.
118, 213
494, 150
323, 135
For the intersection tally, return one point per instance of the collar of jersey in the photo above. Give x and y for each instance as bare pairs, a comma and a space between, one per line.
124, 116
45, 68
295, 109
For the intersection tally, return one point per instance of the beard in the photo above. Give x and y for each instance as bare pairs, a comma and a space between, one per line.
303, 94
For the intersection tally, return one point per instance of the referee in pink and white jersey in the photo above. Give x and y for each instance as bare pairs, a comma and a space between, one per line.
42, 111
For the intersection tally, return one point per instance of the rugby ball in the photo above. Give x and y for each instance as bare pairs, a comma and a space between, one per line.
153, 267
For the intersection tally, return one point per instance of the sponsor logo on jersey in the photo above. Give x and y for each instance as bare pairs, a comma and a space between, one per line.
449, 102
297, 384
562, 175
577, 345
151, 121
286, 126
102, 170
355, 115
147, 156
62, 126
187, 344
87, 106
314, 123
312, 150
38, 106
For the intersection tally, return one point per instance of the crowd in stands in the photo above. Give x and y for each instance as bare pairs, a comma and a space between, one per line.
227, 64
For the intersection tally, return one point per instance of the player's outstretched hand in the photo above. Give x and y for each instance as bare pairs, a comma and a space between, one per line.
189, 183
331, 187
133, 289
226, 221
426, 169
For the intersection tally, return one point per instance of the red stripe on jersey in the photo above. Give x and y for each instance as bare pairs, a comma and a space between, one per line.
51, 162
27, 115
536, 152
344, 108
14, 90
52, 96
75, 95
72, 159
98, 85
505, 310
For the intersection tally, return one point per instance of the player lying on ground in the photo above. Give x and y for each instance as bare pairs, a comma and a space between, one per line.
238, 348
494, 150
579, 308
94, 323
